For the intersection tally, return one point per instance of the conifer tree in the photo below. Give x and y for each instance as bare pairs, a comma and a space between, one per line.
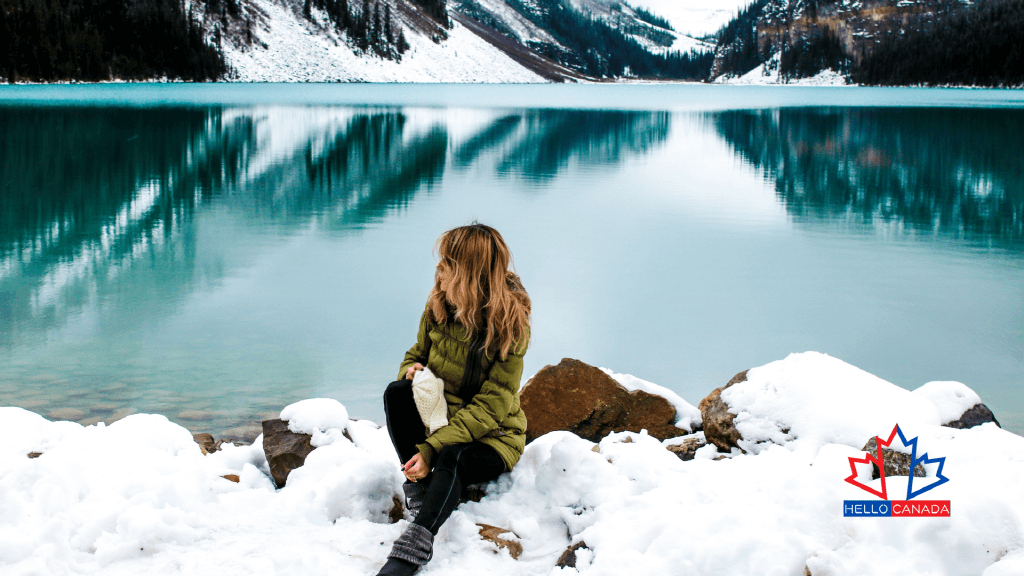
346, 17
362, 27
375, 35
402, 44
388, 33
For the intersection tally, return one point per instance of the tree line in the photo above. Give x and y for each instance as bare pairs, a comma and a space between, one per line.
977, 46
47, 40
981, 44
371, 30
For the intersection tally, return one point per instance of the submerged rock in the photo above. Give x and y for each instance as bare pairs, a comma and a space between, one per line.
718, 420
285, 450
493, 534
582, 399
66, 414
896, 463
974, 416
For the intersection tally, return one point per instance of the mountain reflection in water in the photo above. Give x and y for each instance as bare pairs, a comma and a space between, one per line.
99, 206
952, 172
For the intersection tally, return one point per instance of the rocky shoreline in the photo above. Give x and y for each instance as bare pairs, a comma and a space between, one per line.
576, 397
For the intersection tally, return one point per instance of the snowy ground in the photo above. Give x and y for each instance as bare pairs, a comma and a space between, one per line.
768, 74
138, 497
298, 52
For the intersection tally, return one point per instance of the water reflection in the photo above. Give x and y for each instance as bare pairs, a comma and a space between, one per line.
952, 172
100, 212
541, 143
86, 193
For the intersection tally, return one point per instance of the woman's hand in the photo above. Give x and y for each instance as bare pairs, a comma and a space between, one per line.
411, 372
415, 469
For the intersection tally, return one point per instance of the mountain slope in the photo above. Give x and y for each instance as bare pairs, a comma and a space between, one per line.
875, 41
286, 47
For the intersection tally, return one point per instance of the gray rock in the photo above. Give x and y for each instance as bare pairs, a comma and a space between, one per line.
896, 463
285, 450
974, 416
718, 426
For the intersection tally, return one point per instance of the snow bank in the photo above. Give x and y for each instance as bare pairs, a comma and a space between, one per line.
138, 496
951, 399
809, 400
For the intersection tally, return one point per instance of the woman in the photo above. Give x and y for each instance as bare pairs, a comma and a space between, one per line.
472, 335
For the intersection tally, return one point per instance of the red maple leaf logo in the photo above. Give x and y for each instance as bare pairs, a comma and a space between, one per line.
877, 460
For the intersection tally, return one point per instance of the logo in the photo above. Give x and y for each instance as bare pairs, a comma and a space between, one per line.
889, 508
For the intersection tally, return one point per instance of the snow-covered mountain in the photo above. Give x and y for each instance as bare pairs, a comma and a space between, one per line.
478, 41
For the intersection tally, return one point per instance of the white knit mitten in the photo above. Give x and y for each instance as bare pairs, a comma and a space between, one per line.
428, 393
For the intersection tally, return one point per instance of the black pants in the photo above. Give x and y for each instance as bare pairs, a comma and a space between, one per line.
457, 466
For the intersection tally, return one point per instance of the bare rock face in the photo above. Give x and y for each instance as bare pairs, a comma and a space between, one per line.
687, 449
896, 463
493, 534
718, 427
285, 450
582, 399
974, 416
568, 558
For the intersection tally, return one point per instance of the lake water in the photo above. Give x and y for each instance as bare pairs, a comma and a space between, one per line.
213, 253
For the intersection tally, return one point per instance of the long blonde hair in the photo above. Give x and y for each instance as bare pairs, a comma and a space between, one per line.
474, 263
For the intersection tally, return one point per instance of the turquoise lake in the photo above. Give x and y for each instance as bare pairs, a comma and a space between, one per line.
215, 252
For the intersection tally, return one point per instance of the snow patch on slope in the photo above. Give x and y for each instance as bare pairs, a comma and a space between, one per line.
696, 18
768, 74
298, 52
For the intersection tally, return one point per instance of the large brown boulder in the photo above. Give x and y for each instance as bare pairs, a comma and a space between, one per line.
974, 416
718, 427
582, 399
285, 450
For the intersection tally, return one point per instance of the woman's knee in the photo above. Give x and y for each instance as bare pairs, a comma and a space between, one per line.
448, 458
398, 389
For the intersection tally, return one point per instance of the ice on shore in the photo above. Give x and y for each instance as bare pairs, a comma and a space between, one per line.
139, 497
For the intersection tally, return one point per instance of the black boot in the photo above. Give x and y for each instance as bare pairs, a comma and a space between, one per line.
396, 567
412, 549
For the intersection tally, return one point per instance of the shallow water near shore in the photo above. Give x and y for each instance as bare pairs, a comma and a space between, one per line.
213, 259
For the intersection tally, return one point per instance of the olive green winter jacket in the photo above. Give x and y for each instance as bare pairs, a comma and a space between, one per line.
493, 415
